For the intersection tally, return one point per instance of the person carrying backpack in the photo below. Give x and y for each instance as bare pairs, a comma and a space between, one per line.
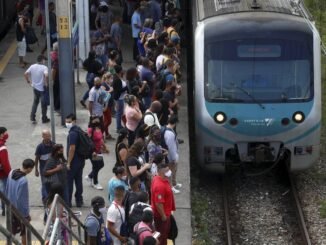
137, 209
144, 228
94, 69
97, 233
75, 162
150, 116
170, 143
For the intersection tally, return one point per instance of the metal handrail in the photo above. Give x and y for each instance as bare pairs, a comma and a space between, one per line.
10, 211
54, 214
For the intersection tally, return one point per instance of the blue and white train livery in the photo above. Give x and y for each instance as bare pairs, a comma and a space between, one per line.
257, 84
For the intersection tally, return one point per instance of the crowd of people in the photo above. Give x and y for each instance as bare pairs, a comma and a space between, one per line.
144, 101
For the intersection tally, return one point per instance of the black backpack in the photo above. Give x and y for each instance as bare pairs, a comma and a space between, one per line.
136, 214
85, 146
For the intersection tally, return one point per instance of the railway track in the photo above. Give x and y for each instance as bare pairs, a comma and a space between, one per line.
299, 212
293, 209
226, 210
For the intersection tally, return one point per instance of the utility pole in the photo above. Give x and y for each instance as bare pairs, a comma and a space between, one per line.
66, 66
47, 24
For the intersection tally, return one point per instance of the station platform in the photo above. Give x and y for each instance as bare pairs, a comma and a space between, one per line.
16, 98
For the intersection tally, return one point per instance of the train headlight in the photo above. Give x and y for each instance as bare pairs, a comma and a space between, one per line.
220, 117
298, 117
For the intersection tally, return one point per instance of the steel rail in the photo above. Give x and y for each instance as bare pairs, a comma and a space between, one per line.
226, 210
300, 216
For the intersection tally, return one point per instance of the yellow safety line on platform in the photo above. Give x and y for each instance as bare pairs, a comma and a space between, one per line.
6, 58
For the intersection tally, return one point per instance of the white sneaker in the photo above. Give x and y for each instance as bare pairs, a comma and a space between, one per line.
98, 186
175, 191
89, 180
178, 185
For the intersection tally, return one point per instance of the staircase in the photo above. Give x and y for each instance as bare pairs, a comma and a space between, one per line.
62, 226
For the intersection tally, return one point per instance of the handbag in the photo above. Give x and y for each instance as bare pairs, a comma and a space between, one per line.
30, 35
173, 233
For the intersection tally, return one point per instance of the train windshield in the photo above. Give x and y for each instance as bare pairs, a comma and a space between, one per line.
259, 70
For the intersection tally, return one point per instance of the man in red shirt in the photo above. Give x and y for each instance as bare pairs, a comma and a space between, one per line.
162, 201
5, 167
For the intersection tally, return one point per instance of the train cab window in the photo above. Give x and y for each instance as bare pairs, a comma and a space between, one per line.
270, 70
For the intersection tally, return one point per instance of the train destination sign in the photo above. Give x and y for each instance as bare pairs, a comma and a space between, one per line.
259, 51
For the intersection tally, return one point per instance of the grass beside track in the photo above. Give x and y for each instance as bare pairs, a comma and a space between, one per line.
200, 209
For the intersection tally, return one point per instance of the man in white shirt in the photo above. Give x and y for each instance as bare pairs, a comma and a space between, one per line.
37, 76
116, 217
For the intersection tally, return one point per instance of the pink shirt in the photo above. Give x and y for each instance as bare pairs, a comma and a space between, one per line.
144, 234
97, 139
131, 113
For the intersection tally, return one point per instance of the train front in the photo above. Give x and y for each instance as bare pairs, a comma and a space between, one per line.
257, 91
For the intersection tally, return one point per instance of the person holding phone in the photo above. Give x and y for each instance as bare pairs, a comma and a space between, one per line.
145, 228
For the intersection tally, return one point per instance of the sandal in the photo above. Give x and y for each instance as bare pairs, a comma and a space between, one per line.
23, 65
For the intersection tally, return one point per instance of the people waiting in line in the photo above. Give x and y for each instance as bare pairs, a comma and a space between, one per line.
145, 104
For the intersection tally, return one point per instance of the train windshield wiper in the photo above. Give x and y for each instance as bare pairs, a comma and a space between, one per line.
248, 94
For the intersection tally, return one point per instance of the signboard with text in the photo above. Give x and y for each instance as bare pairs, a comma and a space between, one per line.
64, 27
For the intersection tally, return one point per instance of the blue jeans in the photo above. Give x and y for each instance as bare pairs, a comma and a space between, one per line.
44, 193
3, 183
90, 83
38, 95
119, 112
75, 174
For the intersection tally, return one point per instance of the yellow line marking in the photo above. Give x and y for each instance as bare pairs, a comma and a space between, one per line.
6, 58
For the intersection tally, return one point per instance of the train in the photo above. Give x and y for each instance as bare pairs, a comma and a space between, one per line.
256, 86
7, 15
